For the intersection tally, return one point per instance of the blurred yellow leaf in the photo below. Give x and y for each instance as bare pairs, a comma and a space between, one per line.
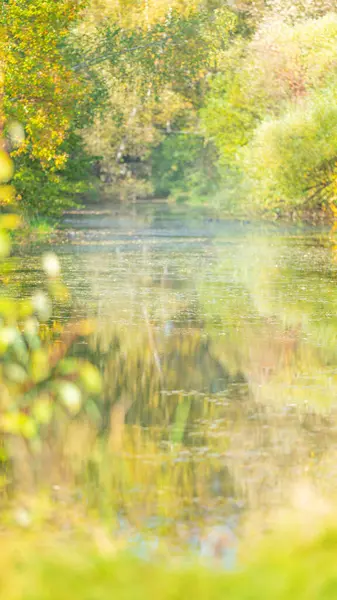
39, 366
24, 309
28, 427
10, 221
43, 410
7, 194
90, 378
7, 308
5, 244
6, 167
10, 422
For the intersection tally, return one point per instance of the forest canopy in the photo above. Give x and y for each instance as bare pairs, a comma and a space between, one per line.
201, 101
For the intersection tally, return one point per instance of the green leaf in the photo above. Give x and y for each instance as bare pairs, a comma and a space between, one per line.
90, 378
43, 410
39, 365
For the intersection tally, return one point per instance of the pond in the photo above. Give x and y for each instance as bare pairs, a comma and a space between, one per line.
217, 344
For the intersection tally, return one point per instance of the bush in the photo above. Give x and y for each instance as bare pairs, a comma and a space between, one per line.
291, 161
38, 379
271, 113
47, 192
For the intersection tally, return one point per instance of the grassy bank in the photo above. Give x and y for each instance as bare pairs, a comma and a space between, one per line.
46, 567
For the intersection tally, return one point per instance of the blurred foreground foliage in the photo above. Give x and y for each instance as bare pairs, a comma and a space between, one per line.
298, 563
38, 378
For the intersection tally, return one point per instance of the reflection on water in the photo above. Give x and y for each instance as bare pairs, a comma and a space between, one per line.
217, 342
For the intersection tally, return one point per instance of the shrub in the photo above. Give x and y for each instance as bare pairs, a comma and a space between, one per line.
291, 161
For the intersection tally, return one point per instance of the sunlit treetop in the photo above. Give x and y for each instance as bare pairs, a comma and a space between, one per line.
41, 89
140, 13
289, 10
164, 42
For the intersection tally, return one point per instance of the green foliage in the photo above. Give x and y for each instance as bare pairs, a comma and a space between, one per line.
228, 115
41, 90
292, 160
124, 76
47, 193
275, 98
156, 80
184, 167
51, 97
37, 377
296, 565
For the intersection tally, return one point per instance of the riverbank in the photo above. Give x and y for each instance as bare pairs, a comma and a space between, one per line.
42, 232
295, 562
209, 210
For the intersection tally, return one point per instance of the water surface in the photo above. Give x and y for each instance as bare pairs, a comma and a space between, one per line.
217, 344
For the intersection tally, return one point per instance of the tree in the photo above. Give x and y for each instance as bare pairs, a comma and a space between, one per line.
271, 113
45, 93
156, 79
38, 379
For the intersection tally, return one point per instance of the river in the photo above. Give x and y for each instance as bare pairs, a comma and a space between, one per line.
217, 344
